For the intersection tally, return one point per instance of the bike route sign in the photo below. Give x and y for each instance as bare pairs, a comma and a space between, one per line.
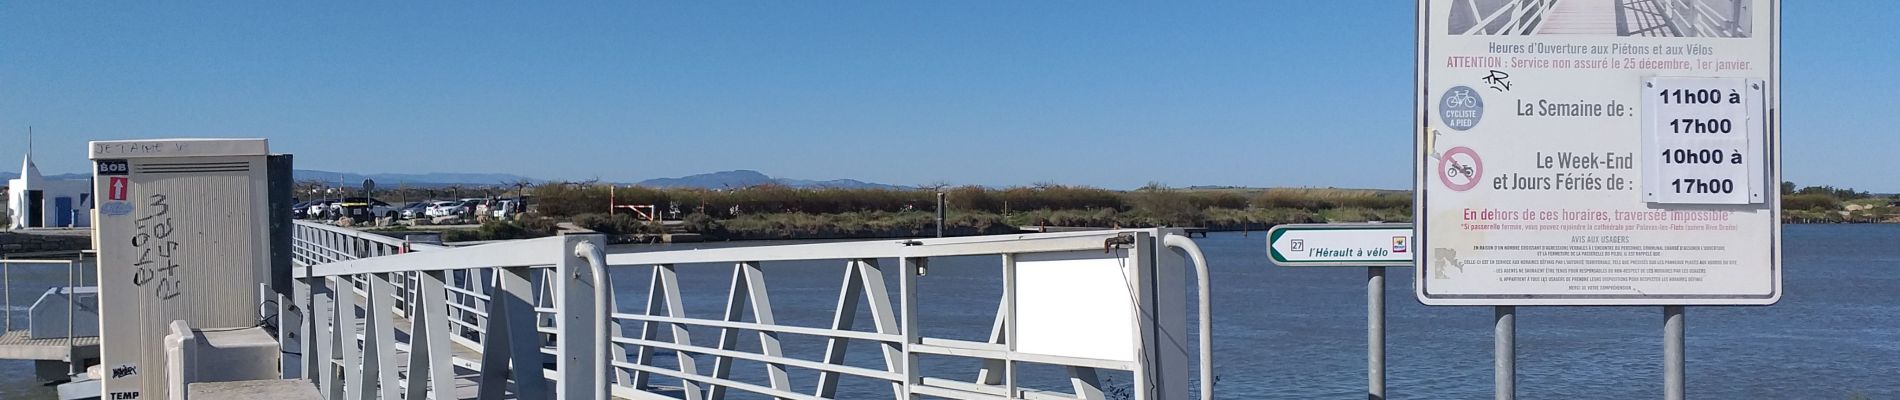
1340, 245
1597, 153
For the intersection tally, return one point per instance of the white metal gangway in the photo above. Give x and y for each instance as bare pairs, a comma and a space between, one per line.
394, 319
1670, 18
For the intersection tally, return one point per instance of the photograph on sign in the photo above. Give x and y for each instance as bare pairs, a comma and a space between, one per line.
1722, 18
1597, 152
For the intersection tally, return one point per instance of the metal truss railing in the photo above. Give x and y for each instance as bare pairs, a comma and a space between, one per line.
1698, 18
544, 305
1520, 17
1682, 18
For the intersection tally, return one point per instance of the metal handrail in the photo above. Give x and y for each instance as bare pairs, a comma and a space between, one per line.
1206, 308
1702, 19
327, 263
603, 292
1520, 13
75, 274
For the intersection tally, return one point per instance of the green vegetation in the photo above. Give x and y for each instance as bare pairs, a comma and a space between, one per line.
778, 212
781, 212
1828, 204
397, 194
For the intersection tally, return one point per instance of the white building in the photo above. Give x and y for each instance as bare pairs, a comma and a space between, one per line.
34, 201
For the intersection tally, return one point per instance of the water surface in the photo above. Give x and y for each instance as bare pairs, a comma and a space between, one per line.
1285, 333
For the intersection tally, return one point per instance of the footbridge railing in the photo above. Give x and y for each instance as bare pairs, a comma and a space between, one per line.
1073, 312
1674, 18
1518, 17
1708, 18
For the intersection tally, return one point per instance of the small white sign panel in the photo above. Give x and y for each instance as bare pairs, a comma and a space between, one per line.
1698, 130
1076, 304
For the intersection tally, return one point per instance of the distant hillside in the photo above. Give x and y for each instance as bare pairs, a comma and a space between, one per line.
716, 180
428, 179
4, 175
354, 179
745, 178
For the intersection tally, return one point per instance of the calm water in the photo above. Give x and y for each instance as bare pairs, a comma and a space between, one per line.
1300, 333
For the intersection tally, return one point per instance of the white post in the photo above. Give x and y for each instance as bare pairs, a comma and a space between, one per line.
1375, 333
1504, 347
580, 351
1673, 381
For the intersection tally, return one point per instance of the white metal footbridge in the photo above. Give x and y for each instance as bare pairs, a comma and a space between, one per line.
389, 318
1668, 18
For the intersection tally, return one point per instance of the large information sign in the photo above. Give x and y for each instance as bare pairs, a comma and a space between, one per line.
1598, 152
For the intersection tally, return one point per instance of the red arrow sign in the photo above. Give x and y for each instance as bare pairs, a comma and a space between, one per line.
115, 190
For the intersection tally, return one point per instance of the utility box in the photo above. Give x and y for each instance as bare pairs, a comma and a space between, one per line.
182, 230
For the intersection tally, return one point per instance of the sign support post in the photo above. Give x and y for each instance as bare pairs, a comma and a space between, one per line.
1374, 246
1673, 381
1375, 333
1504, 347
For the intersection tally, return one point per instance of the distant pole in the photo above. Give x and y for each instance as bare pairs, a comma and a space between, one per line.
940, 218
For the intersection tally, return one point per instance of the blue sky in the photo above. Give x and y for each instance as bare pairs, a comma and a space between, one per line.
1262, 93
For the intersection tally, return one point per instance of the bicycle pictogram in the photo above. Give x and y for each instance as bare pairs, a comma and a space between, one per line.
1457, 169
1460, 108
1461, 99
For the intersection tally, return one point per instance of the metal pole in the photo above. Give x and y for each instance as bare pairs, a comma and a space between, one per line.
940, 214
72, 359
1672, 353
6, 285
1375, 333
603, 315
1504, 369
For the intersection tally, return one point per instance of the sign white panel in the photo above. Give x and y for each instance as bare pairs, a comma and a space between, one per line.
1572, 153
1076, 304
1345, 245
1698, 131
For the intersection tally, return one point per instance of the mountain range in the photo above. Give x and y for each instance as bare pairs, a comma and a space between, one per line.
746, 178
716, 180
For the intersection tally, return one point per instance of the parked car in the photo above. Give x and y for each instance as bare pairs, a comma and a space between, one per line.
507, 209
363, 208
301, 210
414, 210
320, 209
442, 208
469, 207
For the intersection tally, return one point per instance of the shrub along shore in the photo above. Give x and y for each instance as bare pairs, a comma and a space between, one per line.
778, 212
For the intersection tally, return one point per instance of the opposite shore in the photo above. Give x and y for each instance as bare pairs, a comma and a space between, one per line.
778, 213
